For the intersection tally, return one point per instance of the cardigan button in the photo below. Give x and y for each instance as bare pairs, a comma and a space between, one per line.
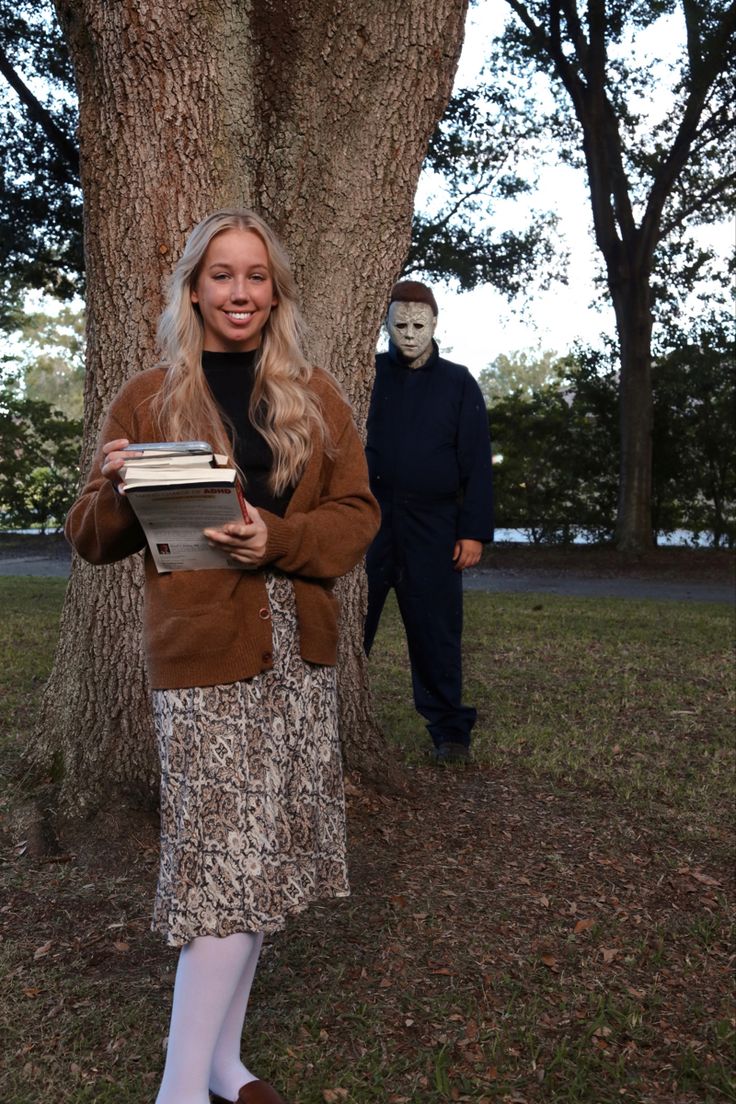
267, 657
264, 613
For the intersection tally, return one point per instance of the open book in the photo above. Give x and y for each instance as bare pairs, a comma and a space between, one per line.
177, 489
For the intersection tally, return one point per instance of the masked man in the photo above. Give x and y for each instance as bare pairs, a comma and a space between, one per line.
429, 456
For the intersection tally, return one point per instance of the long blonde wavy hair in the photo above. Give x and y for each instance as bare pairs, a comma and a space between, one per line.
283, 408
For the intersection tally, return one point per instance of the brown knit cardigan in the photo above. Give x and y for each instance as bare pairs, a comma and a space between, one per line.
201, 628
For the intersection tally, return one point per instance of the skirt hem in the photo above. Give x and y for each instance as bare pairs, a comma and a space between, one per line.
236, 926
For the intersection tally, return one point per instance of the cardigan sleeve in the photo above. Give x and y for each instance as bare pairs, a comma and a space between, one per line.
330, 539
101, 525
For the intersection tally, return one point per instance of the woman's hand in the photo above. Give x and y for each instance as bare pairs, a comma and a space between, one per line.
114, 460
244, 543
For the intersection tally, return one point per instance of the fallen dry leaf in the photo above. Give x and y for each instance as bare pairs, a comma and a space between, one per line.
705, 879
698, 876
583, 925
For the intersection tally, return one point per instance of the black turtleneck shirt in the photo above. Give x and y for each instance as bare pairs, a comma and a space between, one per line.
230, 378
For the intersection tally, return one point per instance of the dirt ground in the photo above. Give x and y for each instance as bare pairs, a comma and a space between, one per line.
507, 939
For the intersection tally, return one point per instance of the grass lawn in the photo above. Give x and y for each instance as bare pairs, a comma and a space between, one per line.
629, 699
549, 925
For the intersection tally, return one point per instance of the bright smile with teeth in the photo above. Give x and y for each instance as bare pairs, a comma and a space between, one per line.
239, 316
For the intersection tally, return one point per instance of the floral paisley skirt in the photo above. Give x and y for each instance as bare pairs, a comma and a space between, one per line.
252, 800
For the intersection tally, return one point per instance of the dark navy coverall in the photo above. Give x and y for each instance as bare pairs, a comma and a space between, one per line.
429, 457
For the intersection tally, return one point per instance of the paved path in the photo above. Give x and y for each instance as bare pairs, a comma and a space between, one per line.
35, 565
495, 580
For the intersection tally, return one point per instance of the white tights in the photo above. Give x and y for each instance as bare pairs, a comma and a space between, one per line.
213, 981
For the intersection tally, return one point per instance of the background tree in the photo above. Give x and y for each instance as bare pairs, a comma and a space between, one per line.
647, 183
41, 402
319, 117
49, 361
481, 156
40, 198
39, 461
695, 434
521, 372
555, 478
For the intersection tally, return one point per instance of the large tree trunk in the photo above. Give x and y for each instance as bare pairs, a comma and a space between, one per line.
316, 115
634, 532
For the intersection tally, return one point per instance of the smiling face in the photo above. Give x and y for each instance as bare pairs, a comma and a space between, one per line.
234, 292
411, 327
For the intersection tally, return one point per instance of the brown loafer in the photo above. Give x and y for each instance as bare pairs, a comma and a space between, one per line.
255, 1092
259, 1092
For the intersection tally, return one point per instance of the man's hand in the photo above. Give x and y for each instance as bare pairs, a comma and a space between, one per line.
466, 553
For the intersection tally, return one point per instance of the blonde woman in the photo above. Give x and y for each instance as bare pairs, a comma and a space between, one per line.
240, 661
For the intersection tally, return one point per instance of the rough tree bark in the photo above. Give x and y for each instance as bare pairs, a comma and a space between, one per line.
316, 115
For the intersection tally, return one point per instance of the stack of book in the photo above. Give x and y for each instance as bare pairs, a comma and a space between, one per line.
177, 489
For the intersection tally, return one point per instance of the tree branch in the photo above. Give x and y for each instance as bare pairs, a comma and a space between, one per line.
577, 37
704, 68
718, 187
691, 11
609, 187
441, 223
537, 33
63, 145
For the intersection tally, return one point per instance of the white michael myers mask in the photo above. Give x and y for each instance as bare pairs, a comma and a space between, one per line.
411, 327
